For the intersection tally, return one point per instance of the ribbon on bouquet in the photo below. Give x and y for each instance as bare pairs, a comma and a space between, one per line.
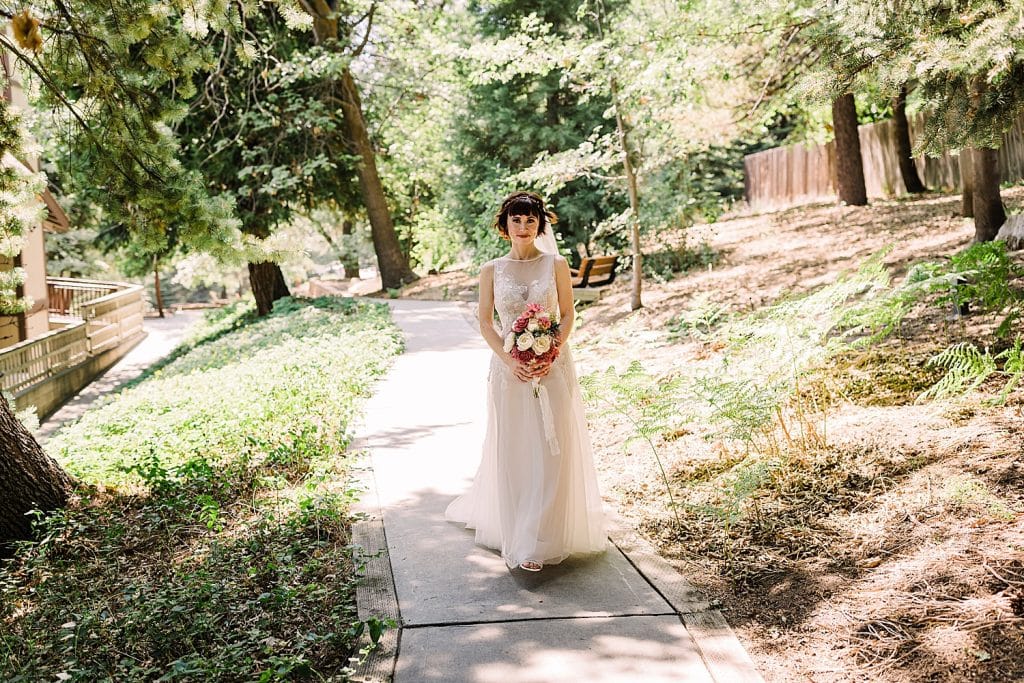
546, 415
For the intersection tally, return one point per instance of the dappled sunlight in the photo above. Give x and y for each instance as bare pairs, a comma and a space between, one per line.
403, 437
652, 649
846, 541
442, 575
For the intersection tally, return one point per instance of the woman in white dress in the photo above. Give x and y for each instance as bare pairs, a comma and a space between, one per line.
535, 495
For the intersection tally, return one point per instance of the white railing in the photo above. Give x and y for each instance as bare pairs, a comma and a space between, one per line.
35, 360
110, 314
113, 318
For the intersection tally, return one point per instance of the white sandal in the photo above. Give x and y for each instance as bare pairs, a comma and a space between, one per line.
531, 566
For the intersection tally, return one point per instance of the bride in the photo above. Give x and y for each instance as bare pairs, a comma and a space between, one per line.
535, 495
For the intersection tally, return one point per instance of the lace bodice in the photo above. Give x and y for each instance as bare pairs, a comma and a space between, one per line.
517, 283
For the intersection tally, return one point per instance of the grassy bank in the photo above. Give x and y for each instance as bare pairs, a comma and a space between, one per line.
209, 537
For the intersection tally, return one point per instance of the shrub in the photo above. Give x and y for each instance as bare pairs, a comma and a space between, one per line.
209, 539
664, 265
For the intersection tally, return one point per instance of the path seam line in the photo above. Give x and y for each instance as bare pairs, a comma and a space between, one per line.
517, 620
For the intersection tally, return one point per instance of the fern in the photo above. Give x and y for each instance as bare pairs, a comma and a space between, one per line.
647, 402
747, 391
981, 276
966, 368
873, 318
699, 321
987, 271
739, 408
1013, 368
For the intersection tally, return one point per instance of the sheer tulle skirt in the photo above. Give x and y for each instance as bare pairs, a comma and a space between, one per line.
528, 501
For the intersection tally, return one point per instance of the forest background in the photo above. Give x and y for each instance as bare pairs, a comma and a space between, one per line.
454, 104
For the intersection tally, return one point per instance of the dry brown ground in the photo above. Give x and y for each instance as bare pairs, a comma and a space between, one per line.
895, 551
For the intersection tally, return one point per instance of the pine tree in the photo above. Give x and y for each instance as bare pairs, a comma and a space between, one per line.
968, 61
904, 150
265, 132
113, 75
849, 164
332, 33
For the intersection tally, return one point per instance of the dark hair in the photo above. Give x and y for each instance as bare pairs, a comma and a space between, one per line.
523, 204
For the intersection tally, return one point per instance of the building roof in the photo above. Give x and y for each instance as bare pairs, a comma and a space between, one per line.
56, 220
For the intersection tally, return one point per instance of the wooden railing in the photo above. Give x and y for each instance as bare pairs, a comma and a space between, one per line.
110, 313
68, 295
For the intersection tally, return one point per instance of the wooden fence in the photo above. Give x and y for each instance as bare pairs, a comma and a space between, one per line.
107, 314
801, 174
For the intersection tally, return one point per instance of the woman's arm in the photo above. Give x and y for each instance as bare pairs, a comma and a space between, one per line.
485, 313
566, 307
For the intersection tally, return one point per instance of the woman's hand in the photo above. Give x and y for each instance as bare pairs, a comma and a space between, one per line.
528, 372
541, 368
522, 371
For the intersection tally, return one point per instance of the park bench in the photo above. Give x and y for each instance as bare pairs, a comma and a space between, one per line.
594, 273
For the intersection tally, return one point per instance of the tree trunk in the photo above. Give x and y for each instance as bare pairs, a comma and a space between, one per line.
553, 117
29, 478
904, 152
634, 202
989, 214
156, 287
268, 285
849, 166
393, 264
350, 255
326, 234
967, 182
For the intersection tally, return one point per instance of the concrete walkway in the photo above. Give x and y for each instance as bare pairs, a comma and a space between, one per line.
162, 336
463, 615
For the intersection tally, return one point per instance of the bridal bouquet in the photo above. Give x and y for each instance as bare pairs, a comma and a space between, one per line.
534, 337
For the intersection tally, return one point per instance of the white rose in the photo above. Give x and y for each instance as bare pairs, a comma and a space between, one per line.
524, 341
533, 325
542, 344
510, 341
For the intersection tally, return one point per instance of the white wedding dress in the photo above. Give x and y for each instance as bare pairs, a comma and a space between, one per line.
535, 495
